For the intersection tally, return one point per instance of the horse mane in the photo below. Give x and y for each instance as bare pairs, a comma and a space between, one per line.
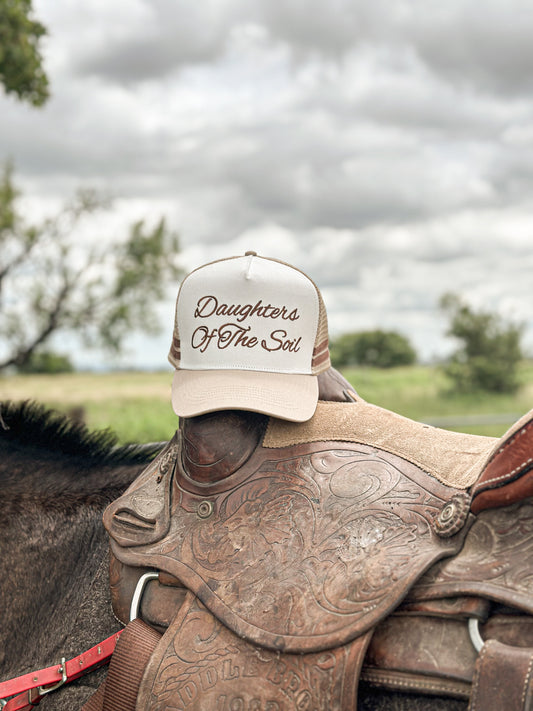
34, 425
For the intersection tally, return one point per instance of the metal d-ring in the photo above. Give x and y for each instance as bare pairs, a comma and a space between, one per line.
475, 636
137, 595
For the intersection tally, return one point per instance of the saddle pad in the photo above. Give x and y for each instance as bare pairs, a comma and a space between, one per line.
454, 458
305, 548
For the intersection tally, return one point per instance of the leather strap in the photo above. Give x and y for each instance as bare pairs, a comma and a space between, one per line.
427, 654
38, 683
120, 690
96, 701
502, 679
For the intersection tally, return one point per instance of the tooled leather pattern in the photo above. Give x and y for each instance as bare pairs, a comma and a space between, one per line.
200, 664
496, 561
304, 549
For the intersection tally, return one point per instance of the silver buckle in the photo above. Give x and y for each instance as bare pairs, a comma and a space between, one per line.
42, 690
137, 595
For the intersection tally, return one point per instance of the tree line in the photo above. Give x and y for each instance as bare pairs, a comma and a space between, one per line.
486, 358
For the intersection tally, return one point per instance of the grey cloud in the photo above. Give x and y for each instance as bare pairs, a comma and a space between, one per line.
305, 180
192, 33
376, 285
311, 26
490, 49
174, 36
486, 50
433, 107
409, 268
512, 175
145, 58
306, 167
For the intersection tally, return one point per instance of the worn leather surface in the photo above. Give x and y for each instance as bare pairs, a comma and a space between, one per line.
508, 475
201, 664
433, 654
303, 548
496, 562
503, 679
142, 515
205, 455
453, 458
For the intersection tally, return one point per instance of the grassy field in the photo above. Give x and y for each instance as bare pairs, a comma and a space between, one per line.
423, 394
137, 405
134, 405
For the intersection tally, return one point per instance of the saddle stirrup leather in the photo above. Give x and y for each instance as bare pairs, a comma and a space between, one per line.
289, 561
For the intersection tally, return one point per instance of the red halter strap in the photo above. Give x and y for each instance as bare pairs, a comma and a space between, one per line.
27, 690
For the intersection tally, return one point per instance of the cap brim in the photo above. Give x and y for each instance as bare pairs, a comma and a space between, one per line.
287, 396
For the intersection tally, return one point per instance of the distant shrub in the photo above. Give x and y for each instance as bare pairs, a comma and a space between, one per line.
47, 362
381, 349
489, 352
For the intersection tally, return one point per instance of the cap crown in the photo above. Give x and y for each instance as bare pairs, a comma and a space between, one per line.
250, 313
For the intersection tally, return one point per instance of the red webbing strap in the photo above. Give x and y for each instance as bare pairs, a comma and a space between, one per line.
502, 678
126, 669
34, 685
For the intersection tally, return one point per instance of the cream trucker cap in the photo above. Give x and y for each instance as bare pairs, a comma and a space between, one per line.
250, 333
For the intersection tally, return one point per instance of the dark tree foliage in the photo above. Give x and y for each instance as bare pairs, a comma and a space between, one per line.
46, 361
21, 70
489, 351
381, 349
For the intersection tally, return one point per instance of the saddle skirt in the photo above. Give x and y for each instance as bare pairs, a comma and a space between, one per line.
313, 539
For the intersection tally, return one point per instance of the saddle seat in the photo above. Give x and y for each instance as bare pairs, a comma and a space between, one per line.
282, 548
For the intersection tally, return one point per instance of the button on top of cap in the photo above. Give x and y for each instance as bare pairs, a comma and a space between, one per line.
250, 254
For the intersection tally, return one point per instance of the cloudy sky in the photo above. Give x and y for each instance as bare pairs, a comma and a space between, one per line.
385, 147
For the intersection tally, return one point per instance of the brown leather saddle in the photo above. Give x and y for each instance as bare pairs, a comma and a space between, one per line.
279, 563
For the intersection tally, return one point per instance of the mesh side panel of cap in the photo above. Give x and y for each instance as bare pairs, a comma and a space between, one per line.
175, 350
321, 359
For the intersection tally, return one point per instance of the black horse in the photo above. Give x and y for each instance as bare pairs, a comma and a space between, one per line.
56, 479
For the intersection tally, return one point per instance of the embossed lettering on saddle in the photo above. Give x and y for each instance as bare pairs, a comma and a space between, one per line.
303, 538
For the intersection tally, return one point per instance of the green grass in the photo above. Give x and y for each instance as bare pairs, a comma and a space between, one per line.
137, 405
423, 393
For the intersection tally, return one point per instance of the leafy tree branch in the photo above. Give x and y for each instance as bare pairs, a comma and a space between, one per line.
101, 289
21, 66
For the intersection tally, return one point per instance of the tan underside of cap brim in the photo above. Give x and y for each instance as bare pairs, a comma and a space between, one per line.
286, 396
